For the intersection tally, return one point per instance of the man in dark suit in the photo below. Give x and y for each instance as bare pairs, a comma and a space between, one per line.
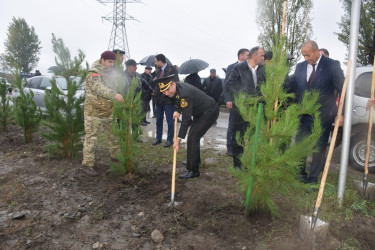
323, 74
164, 104
242, 55
245, 77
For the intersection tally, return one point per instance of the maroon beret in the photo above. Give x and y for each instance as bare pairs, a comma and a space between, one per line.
108, 55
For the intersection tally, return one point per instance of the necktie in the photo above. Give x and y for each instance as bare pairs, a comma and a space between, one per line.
161, 73
311, 78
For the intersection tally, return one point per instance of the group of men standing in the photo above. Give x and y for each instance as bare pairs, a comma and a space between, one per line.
200, 109
317, 72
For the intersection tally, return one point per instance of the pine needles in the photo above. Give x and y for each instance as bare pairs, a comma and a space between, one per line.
278, 158
26, 113
5, 109
64, 107
127, 118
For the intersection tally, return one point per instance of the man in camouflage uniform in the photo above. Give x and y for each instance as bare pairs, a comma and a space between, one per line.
98, 109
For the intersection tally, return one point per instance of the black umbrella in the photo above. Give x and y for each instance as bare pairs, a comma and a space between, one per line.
54, 68
192, 66
150, 61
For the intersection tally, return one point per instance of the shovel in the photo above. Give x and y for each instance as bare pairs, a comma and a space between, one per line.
311, 229
174, 203
368, 189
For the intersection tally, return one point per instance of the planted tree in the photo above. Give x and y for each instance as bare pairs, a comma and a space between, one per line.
64, 104
26, 114
126, 126
271, 163
5, 109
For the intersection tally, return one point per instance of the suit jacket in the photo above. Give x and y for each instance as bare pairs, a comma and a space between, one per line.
241, 79
328, 78
159, 98
225, 92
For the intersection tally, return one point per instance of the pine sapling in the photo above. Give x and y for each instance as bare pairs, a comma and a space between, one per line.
64, 104
26, 114
278, 159
126, 126
5, 108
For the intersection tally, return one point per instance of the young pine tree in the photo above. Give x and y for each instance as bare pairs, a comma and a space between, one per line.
5, 108
64, 104
25, 111
277, 160
127, 117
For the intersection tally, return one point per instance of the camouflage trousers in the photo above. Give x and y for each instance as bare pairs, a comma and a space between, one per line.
95, 126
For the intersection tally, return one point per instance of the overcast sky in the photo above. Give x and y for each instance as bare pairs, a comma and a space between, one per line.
210, 30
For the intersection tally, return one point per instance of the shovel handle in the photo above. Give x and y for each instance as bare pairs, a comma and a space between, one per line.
174, 160
333, 140
371, 116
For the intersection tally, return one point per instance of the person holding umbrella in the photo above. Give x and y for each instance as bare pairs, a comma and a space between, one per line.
190, 102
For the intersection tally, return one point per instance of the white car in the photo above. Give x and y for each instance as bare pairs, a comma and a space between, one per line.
360, 119
40, 84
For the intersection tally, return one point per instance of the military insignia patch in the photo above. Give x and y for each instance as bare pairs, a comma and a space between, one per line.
183, 103
95, 77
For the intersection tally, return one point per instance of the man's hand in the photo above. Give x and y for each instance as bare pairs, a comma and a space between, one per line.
176, 115
371, 102
229, 105
341, 122
119, 98
176, 144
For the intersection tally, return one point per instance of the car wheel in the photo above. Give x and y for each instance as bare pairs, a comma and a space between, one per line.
357, 153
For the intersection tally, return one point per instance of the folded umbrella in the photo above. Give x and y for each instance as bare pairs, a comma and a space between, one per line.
192, 66
150, 61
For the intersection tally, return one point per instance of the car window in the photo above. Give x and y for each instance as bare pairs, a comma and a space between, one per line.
33, 83
45, 83
61, 81
363, 85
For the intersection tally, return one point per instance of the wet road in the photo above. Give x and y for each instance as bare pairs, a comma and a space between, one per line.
216, 136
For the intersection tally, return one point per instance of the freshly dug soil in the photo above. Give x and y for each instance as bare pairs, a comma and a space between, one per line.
50, 203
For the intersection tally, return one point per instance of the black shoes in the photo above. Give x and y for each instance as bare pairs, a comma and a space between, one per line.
143, 123
156, 142
189, 174
167, 144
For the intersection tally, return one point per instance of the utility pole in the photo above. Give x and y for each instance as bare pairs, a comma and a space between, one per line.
118, 17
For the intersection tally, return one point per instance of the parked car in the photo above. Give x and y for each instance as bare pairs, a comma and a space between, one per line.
360, 119
40, 84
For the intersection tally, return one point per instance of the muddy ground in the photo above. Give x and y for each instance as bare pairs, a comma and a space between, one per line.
52, 204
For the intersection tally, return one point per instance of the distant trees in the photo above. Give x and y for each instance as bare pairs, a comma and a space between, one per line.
297, 27
366, 38
22, 45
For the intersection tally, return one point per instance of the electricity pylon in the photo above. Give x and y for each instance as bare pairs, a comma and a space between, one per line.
118, 17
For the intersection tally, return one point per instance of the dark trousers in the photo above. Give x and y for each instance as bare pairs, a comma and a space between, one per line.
240, 127
198, 128
230, 132
168, 109
318, 158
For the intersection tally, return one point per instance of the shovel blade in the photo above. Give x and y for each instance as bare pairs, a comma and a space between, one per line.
315, 236
368, 193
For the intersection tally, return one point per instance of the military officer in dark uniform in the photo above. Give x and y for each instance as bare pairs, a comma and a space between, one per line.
190, 102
